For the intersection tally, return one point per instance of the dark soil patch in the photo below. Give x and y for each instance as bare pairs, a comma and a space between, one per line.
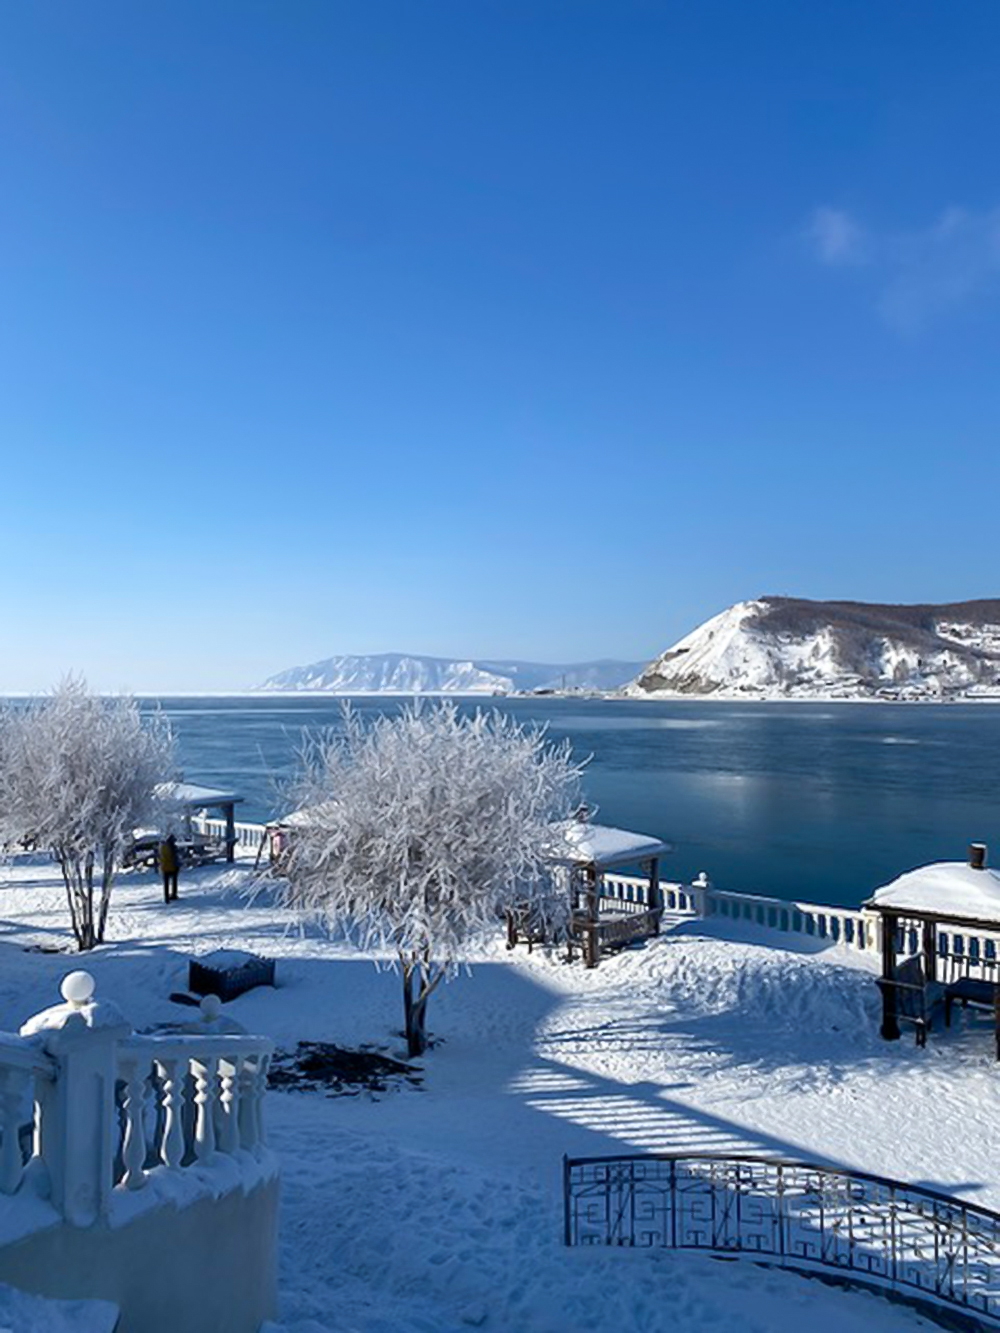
319, 1065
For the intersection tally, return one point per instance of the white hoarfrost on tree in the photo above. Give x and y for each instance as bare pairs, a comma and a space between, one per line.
418, 830
77, 774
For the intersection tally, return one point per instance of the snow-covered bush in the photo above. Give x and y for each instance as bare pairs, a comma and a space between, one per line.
418, 830
77, 774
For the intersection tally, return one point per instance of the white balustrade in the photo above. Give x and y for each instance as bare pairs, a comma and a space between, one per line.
220, 1078
229, 1132
134, 1105
171, 1099
21, 1068
250, 836
104, 1106
630, 893
852, 927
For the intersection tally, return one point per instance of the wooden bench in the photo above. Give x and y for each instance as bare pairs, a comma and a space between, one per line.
979, 994
916, 997
525, 926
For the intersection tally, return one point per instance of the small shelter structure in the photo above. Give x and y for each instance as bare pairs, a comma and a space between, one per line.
192, 799
278, 833
940, 943
582, 855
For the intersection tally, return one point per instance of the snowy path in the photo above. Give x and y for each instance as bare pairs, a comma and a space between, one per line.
439, 1209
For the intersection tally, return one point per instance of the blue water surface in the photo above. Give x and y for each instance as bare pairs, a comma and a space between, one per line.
816, 801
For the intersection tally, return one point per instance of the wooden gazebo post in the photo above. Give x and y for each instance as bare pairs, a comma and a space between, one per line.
655, 902
229, 810
930, 950
591, 943
890, 1019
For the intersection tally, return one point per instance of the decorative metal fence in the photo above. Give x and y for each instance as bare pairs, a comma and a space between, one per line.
915, 1242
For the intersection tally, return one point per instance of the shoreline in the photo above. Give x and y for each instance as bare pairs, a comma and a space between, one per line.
498, 700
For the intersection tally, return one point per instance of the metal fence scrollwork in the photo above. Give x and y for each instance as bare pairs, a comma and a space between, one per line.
915, 1242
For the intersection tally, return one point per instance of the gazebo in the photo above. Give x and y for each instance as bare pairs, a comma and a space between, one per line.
940, 941
193, 798
278, 833
583, 854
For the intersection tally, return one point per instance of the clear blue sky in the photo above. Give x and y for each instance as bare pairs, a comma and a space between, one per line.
492, 329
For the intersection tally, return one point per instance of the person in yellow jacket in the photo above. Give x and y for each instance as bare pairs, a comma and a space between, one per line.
170, 864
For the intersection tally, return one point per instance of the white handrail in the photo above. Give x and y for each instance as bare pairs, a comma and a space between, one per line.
111, 1106
853, 927
22, 1067
206, 1091
247, 835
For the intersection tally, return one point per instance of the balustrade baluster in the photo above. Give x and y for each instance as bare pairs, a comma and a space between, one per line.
260, 1088
13, 1083
133, 1070
246, 1117
229, 1137
172, 1142
205, 1079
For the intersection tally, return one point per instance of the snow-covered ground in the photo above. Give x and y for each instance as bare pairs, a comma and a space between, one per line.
437, 1210
21, 1313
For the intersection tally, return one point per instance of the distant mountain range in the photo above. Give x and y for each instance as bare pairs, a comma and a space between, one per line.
770, 648
785, 647
401, 673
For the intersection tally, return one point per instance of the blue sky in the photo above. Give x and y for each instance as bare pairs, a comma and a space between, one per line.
531, 329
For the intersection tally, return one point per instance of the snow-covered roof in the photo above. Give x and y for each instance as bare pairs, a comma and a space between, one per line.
191, 793
301, 818
946, 888
579, 843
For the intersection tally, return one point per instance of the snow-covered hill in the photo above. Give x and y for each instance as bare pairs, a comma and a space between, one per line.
399, 673
782, 647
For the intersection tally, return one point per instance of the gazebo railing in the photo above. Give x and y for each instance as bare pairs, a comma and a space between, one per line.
630, 893
959, 951
918, 1243
249, 836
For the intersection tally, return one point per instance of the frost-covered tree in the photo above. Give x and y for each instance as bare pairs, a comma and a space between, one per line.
418, 830
77, 775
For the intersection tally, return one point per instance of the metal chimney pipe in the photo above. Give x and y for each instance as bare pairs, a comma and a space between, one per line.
977, 855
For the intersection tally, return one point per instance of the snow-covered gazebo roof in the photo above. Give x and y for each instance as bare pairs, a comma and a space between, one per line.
949, 890
576, 842
302, 817
194, 795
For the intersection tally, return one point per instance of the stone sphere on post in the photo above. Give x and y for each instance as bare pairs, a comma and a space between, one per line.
77, 989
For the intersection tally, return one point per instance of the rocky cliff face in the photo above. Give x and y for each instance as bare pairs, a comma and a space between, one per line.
782, 647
